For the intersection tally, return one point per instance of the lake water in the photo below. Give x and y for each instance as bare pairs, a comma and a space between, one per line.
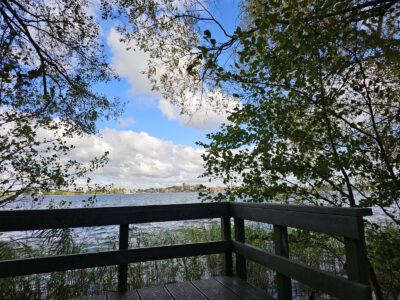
76, 201
97, 234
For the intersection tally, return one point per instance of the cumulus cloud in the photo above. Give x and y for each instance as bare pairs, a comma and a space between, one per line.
130, 64
139, 160
200, 112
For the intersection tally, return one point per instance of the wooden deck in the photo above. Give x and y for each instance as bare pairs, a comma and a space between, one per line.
343, 222
217, 288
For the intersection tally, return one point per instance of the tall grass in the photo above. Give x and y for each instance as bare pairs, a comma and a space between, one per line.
318, 250
68, 284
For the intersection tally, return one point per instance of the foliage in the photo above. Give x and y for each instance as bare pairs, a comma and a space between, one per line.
170, 32
50, 59
317, 82
319, 120
321, 123
383, 245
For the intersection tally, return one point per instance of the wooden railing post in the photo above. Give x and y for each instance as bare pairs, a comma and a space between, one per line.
284, 285
123, 269
227, 256
356, 257
241, 271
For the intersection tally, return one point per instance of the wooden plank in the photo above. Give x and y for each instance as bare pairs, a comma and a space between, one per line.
129, 295
343, 211
283, 283
101, 216
155, 293
327, 282
184, 291
214, 290
242, 288
123, 269
227, 256
241, 270
9, 268
356, 258
346, 226
94, 297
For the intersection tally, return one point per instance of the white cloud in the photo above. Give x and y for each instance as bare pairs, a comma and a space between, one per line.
140, 160
203, 119
130, 64
126, 122
200, 112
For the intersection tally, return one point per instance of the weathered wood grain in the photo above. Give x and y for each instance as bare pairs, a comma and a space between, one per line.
184, 291
242, 288
129, 295
153, 293
94, 297
214, 290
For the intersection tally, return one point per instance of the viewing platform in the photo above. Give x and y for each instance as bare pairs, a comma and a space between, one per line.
217, 288
342, 222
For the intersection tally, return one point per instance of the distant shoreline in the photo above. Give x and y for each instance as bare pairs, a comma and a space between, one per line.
184, 188
93, 194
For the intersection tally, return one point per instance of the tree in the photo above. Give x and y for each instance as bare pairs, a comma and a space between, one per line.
318, 82
322, 120
319, 85
50, 58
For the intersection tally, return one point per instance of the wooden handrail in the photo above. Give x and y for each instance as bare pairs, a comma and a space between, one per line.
327, 282
345, 222
14, 220
339, 222
27, 266
340, 211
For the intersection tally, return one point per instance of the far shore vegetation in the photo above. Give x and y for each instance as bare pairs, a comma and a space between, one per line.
184, 188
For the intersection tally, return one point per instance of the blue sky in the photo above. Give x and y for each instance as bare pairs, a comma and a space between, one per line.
150, 145
143, 108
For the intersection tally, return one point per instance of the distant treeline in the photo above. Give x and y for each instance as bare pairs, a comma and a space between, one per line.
171, 189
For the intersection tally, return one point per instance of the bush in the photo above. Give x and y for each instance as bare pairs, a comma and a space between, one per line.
383, 244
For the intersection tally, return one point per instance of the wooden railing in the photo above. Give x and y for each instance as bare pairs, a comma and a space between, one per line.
344, 222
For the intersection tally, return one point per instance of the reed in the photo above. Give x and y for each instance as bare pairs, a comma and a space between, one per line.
318, 250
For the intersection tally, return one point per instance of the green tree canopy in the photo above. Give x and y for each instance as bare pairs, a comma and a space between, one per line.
318, 81
321, 117
319, 86
50, 58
